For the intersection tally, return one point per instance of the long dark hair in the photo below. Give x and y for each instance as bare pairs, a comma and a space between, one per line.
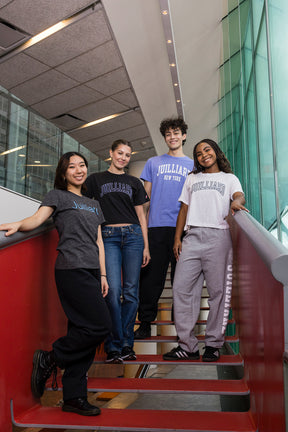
60, 181
222, 161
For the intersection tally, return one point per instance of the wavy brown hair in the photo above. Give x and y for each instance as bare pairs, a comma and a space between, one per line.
222, 161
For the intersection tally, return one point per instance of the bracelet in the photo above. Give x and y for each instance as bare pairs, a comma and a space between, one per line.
104, 276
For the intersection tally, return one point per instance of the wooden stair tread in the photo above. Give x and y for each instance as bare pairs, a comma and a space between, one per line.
136, 420
174, 339
156, 385
169, 322
232, 360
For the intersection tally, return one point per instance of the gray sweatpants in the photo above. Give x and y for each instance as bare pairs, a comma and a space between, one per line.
206, 254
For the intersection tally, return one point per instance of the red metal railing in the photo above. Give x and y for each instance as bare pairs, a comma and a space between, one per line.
258, 307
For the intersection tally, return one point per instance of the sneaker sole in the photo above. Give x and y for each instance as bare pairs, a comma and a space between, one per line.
36, 360
181, 358
114, 361
210, 359
81, 412
129, 357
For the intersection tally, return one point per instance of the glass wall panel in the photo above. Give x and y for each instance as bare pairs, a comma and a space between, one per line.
232, 4
69, 144
245, 107
30, 147
278, 18
257, 11
4, 107
254, 196
234, 33
17, 146
265, 134
44, 141
226, 50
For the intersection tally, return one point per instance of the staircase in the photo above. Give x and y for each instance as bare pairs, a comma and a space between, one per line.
152, 390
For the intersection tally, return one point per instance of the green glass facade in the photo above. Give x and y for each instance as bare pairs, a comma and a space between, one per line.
253, 106
30, 147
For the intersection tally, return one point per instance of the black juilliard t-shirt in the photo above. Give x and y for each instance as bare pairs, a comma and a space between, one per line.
77, 219
117, 194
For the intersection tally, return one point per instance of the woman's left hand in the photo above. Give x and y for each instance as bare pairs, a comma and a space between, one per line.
104, 286
146, 257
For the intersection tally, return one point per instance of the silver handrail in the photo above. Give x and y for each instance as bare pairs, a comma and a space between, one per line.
271, 250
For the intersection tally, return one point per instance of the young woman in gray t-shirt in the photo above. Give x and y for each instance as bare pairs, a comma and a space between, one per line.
81, 281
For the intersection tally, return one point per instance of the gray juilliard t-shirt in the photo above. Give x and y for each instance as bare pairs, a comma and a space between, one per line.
76, 219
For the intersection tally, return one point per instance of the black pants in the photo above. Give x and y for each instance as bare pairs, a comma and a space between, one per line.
88, 325
152, 278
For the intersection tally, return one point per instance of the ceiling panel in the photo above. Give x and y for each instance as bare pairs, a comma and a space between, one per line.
44, 85
100, 109
130, 134
36, 16
111, 82
126, 97
128, 120
96, 62
18, 69
91, 32
66, 101
113, 58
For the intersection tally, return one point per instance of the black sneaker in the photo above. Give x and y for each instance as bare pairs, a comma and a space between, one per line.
80, 406
43, 366
211, 354
128, 353
179, 353
114, 357
143, 331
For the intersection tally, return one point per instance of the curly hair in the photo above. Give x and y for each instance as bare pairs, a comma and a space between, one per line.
173, 123
222, 161
60, 181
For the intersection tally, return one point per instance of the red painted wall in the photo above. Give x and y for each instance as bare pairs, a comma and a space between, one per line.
31, 317
258, 309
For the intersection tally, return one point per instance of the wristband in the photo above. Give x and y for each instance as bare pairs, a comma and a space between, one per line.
104, 276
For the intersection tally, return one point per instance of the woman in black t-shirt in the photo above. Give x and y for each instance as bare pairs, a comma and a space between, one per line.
124, 233
81, 281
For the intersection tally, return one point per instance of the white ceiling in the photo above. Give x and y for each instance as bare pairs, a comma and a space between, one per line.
113, 58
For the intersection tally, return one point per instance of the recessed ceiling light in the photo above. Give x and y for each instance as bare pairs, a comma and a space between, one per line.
164, 12
169, 41
178, 101
37, 162
175, 84
12, 150
172, 64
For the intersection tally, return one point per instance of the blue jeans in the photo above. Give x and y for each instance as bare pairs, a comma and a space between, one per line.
123, 255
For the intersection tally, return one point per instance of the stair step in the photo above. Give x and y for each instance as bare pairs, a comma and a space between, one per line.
160, 386
225, 360
169, 322
169, 308
135, 419
174, 339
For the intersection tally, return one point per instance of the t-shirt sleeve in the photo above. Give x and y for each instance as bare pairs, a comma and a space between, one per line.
235, 186
91, 187
101, 215
185, 194
141, 196
146, 174
51, 199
